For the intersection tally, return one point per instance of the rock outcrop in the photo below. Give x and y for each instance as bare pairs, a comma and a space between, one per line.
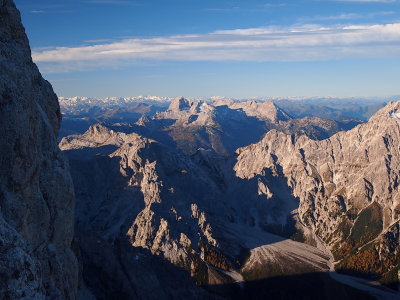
36, 192
347, 186
261, 110
179, 103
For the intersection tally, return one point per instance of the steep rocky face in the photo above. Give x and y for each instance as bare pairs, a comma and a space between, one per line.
143, 201
157, 174
347, 186
264, 110
179, 104
36, 192
118, 186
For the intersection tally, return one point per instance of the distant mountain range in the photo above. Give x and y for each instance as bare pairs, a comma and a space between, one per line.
221, 125
242, 196
81, 112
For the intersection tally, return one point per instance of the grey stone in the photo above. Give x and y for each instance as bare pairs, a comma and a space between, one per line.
36, 192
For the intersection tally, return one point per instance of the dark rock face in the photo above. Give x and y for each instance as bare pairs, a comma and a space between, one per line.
36, 192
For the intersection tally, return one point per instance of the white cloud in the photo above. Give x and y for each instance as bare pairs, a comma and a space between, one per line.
297, 43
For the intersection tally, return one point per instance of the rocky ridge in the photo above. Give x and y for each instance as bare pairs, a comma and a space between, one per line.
191, 124
347, 188
175, 207
191, 210
225, 126
36, 192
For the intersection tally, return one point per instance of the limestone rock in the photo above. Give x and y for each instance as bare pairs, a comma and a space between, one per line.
36, 192
347, 185
179, 104
266, 110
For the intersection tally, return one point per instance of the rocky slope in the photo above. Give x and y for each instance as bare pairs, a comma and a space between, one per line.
36, 193
145, 200
347, 187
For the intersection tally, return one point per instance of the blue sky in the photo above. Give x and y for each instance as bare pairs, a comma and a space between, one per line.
200, 48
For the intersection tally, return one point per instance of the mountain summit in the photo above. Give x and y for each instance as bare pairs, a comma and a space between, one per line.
179, 104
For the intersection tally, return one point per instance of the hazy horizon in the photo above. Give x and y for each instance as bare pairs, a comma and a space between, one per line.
263, 97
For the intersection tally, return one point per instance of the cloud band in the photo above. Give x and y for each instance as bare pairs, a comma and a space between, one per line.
303, 43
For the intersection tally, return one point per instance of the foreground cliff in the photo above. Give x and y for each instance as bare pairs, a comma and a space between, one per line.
36, 193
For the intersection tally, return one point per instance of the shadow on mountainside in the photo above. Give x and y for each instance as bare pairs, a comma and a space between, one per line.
116, 270
108, 202
113, 269
237, 129
318, 286
105, 203
228, 130
90, 153
242, 214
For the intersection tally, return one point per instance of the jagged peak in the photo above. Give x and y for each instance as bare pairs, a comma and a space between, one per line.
381, 123
99, 128
98, 135
390, 110
179, 104
262, 110
143, 120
